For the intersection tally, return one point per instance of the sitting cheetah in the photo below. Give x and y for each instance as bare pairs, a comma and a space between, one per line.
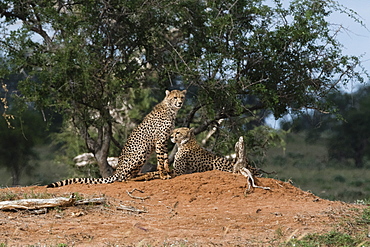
191, 157
149, 136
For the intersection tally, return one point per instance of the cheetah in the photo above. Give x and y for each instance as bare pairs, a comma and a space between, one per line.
191, 157
149, 136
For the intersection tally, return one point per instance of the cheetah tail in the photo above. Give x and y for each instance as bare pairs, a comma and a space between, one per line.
106, 180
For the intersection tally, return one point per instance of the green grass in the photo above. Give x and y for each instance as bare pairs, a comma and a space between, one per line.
309, 167
365, 219
8, 196
354, 233
42, 170
331, 239
11, 196
37, 195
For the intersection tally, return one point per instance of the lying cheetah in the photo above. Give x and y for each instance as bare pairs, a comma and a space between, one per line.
191, 157
149, 136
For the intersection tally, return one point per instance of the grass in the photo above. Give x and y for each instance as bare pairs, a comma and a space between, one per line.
8, 196
309, 167
11, 196
331, 239
42, 170
365, 219
356, 233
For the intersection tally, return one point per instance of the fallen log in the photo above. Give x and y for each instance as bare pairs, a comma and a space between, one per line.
32, 204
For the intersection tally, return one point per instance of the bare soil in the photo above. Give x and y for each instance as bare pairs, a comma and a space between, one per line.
202, 209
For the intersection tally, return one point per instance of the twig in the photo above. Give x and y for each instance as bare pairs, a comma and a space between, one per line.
91, 201
131, 209
172, 209
39, 211
136, 197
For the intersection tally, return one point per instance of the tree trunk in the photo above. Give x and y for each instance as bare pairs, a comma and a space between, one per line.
360, 153
101, 157
15, 175
99, 146
101, 150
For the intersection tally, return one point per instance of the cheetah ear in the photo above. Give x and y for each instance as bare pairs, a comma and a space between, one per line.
184, 91
167, 93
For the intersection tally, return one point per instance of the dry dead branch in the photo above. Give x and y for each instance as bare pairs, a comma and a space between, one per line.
40, 205
91, 201
246, 173
32, 204
136, 197
131, 209
241, 165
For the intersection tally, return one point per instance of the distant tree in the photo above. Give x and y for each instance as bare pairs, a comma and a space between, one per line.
313, 124
241, 59
351, 136
17, 143
345, 128
22, 128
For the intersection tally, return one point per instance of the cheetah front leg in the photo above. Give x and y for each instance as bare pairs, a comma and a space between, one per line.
163, 165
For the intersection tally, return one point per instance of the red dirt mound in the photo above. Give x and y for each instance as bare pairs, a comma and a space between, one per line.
202, 209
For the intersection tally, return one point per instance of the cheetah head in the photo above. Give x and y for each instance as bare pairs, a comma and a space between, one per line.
182, 135
175, 98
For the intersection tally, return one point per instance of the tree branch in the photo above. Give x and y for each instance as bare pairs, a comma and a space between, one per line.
115, 142
205, 125
191, 115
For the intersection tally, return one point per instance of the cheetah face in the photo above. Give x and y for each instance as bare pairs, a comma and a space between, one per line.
175, 98
181, 135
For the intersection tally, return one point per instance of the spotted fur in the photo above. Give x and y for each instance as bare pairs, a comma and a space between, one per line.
191, 157
149, 136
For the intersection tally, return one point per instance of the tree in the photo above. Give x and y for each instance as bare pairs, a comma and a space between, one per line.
351, 136
345, 129
251, 57
88, 57
17, 139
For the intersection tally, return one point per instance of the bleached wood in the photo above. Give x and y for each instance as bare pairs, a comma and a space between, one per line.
31, 204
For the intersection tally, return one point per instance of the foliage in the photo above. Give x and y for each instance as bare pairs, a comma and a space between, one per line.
259, 140
21, 130
16, 146
351, 137
239, 59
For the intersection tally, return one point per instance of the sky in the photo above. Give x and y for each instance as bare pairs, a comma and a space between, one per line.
357, 40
